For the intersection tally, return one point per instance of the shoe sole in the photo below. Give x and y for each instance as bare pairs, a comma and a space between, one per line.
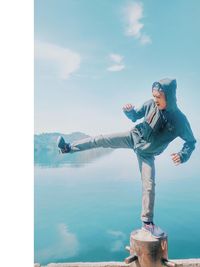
153, 234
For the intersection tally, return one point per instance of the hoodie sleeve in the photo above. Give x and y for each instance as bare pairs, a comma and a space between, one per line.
187, 135
136, 114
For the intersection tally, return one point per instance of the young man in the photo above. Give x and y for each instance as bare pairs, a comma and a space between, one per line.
163, 122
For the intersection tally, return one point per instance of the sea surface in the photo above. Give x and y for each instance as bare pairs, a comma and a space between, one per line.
86, 211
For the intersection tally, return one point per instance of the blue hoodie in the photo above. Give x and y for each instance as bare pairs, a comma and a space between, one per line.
160, 127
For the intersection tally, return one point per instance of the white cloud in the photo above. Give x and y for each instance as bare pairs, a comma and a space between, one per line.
116, 58
63, 60
145, 39
65, 246
68, 241
116, 234
117, 64
133, 15
117, 246
116, 68
118, 242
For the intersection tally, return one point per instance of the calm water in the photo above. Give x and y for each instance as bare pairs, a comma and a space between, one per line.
86, 212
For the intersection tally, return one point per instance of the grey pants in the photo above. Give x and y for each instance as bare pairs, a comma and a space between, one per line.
146, 165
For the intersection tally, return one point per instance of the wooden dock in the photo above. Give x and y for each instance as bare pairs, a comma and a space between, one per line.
179, 263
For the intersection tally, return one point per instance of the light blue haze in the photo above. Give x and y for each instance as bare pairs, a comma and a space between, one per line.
91, 98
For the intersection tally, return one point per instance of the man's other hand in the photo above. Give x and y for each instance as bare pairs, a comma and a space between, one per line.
128, 107
176, 158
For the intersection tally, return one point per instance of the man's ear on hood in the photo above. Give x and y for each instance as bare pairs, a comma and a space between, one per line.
168, 85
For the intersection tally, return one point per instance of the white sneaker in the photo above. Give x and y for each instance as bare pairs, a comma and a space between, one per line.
155, 231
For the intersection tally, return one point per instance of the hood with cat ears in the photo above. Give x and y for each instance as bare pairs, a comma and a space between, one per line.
168, 86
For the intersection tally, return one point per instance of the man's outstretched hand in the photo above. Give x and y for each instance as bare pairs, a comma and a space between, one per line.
176, 158
128, 107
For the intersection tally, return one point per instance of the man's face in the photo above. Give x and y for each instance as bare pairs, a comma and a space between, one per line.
160, 100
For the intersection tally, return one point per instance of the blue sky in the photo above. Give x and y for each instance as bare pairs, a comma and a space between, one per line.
92, 57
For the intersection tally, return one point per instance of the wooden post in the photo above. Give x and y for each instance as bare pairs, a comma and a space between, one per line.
147, 251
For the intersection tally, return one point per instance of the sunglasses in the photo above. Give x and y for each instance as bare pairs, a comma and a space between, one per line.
157, 86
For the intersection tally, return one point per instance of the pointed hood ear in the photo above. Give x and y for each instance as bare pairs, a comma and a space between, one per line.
168, 86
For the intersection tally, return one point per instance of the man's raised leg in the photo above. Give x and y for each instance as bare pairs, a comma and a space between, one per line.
116, 140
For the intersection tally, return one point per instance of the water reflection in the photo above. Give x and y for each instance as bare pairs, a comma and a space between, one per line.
65, 245
87, 214
54, 159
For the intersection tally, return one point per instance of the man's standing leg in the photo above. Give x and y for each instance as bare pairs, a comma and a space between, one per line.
147, 169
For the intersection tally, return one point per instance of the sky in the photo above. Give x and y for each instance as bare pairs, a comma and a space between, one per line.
94, 56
